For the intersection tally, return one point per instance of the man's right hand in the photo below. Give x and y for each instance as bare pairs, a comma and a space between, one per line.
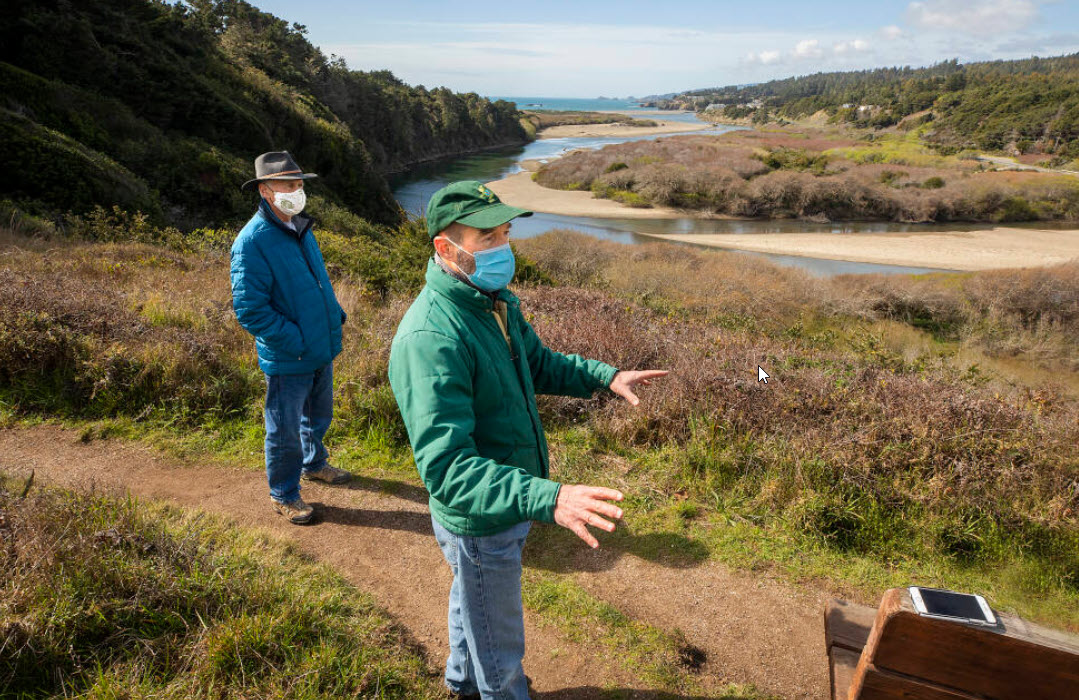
578, 506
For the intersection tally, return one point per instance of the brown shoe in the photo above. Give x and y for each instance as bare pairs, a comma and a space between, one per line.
329, 475
297, 512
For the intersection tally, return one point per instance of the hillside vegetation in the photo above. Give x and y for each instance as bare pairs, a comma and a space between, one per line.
1023, 106
833, 471
818, 175
162, 108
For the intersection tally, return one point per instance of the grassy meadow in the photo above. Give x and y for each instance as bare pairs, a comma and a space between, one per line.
816, 174
916, 429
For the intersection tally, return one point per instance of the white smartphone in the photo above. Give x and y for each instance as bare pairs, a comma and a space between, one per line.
950, 605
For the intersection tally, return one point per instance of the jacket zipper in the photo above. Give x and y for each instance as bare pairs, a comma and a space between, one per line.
536, 430
303, 252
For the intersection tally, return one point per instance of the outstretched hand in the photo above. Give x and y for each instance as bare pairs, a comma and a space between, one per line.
579, 506
623, 382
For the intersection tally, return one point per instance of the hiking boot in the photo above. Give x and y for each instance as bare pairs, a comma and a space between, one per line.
458, 696
297, 512
329, 475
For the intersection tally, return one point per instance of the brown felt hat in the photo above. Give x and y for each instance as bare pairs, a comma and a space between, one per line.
277, 165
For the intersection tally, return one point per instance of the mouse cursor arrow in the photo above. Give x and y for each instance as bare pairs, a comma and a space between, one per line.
762, 376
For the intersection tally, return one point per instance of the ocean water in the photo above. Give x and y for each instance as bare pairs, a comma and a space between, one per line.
565, 104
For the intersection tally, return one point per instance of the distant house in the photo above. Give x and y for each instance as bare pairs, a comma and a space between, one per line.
715, 107
847, 105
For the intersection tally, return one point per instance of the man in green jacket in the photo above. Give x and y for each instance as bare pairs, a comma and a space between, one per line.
465, 367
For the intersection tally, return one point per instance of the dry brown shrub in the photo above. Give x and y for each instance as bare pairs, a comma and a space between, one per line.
711, 283
1002, 312
859, 426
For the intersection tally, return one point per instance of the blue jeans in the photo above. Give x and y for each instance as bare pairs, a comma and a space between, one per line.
299, 408
487, 630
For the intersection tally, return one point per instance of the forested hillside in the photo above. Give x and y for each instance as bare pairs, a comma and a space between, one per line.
162, 107
1025, 106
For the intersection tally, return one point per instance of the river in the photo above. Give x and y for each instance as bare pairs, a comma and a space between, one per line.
413, 188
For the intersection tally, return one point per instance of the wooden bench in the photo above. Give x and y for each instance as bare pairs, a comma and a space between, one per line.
892, 652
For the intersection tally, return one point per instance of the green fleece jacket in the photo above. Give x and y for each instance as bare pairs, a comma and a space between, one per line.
466, 379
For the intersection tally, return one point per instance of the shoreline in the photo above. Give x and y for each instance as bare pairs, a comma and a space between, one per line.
520, 191
968, 251
565, 131
991, 248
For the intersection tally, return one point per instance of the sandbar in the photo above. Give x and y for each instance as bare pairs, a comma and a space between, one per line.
989, 249
520, 191
619, 130
992, 248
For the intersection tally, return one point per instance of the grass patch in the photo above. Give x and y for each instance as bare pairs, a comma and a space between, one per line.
104, 596
665, 660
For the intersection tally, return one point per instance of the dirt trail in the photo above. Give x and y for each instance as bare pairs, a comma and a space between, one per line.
753, 630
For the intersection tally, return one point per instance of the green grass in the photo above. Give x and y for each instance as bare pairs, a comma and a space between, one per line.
663, 659
711, 470
107, 598
897, 149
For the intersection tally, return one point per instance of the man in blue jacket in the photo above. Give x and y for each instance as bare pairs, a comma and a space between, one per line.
282, 296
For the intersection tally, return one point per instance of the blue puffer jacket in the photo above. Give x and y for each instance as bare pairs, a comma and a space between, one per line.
282, 294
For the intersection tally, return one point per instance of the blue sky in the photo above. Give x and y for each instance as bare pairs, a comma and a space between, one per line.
556, 48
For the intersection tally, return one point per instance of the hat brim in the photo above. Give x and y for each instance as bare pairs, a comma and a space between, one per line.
301, 176
494, 215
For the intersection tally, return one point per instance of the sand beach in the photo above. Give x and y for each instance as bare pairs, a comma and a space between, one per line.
992, 248
620, 130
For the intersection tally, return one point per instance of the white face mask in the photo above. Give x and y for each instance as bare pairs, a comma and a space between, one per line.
291, 203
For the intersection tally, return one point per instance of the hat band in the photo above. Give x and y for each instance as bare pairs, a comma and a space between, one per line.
283, 172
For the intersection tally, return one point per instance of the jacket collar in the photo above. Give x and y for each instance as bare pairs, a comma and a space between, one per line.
461, 293
302, 222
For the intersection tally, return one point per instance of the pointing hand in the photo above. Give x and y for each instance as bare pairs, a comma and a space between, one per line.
623, 382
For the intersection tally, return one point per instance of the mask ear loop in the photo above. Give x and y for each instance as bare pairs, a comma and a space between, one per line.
458, 247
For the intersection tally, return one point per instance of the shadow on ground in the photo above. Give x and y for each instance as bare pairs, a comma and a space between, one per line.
555, 548
408, 521
388, 487
593, 693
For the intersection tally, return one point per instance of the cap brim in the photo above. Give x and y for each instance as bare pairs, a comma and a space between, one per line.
494, 215
301, 176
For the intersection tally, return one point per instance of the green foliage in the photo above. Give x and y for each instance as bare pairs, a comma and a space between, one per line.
163, 108
106, 598
1032, 104
933, 183
796, 159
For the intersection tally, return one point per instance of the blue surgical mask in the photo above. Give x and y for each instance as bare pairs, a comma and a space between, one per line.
494, 267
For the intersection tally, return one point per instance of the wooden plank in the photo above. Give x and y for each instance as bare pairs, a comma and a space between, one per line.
879, 684
1015, 660
847, 624
842, 663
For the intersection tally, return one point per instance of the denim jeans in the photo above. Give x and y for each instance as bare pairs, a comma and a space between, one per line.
299, 408
486, 618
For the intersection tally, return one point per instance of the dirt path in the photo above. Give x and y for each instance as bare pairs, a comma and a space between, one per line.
753, 630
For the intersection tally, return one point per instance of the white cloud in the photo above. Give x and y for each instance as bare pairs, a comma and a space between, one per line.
763, 58
891, 32
972, 16
808, 48
841, 48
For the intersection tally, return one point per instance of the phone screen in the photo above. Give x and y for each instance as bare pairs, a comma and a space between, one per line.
951, 604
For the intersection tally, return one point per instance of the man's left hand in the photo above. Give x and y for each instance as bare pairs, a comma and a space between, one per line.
623, 382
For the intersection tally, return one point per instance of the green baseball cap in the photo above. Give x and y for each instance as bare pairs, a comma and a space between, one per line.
471, 203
